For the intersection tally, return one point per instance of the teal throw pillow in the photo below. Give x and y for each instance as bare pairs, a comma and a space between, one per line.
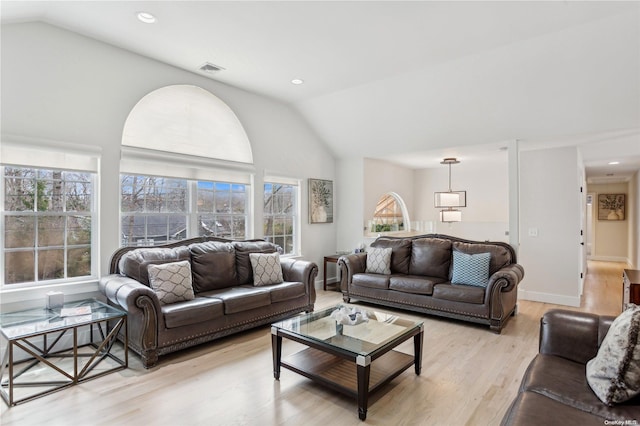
471, 269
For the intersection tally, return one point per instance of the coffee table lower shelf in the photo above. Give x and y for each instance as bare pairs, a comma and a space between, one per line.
342, 375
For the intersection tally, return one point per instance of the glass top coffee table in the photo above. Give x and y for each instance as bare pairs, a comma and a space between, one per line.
357, 359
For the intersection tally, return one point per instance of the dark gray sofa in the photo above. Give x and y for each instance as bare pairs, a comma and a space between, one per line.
420, 279
225, 301
554, 389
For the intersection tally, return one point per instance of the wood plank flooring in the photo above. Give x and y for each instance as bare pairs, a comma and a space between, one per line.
469, 377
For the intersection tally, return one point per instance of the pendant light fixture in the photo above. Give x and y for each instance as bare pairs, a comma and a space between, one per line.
449, 200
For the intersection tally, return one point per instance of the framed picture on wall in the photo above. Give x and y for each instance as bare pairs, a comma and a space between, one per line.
320, 201
611, 206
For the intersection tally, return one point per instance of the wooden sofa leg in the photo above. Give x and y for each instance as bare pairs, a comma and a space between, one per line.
149, 359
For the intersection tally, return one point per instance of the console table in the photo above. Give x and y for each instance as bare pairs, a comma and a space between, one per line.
631, 287
47, 351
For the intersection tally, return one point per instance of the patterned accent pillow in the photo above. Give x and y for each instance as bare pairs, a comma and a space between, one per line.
614, 374
379, 260
266, 268
471, 269
172, 282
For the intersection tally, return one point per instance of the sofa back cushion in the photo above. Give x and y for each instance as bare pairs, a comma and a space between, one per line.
400, 253
500, 256
430, 257
134, 263
244, 272
213, 265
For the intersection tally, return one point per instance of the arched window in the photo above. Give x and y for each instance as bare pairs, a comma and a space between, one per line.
390, 214
186, 169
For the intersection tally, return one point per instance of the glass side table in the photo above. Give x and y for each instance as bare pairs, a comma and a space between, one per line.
45, 351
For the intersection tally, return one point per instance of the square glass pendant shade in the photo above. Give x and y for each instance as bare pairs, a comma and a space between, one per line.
450, 199
450, 216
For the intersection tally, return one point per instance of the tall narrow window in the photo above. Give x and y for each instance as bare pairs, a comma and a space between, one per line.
47, 215
281, 217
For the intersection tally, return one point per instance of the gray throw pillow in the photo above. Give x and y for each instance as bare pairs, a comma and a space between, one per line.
266, 268
614, 374
379, 260
172, 282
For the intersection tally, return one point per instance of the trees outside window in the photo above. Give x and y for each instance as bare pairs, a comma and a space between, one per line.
158, 210
281, 222
48, 216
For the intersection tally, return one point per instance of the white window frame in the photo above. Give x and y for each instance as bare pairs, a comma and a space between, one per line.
296, 211
191, 212
17, 151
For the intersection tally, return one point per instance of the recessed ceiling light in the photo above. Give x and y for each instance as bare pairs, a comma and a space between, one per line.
613, 163
146, 17
297, 81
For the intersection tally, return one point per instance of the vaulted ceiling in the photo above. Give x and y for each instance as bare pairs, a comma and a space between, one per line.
409, 82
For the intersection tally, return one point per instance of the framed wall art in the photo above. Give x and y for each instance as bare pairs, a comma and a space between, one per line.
611, 206
320, 201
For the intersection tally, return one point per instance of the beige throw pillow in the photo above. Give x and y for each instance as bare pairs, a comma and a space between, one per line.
379, 260
172, 282
266, 268
614, 374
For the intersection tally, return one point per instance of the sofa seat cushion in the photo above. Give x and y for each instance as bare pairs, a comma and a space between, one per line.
214, 265
431, 257
459, 293
566, 382
242, 298
194, 311
531, 408
413, 284
285, 291
371, 280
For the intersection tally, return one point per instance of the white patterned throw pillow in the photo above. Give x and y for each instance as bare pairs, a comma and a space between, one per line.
614, 374
172, 282
471, 269
379, 260
266, 268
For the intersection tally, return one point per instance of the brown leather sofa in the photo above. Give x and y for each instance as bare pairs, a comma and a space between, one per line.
225, 300
420, 279
554, 389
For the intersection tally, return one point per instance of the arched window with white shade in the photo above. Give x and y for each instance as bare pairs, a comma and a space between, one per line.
186, 169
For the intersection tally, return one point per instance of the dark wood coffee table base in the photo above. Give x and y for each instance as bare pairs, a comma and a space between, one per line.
356, 377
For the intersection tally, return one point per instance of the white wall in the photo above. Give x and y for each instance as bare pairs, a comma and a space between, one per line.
486, 216
611, 238
634, 226
381, 177
550, 205
61, 86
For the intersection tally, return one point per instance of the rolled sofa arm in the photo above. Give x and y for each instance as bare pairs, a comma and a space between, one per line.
573, 335
507, 278
301, 271
143, 309
349, 265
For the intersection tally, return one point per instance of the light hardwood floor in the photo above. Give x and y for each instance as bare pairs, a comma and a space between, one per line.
469, 377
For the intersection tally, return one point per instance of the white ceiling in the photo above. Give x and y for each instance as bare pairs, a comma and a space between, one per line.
409, 82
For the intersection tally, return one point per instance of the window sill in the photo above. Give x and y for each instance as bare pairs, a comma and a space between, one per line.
34, 297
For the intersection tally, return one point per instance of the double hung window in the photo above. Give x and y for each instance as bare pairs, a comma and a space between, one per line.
281, 215
48, 216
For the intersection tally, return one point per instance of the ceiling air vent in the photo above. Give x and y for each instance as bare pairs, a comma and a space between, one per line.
210, 68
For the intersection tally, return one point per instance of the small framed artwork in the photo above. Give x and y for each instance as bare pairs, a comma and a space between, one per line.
611, 206
320, 201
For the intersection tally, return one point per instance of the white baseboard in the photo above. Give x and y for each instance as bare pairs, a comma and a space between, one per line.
610, 259
557, 299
